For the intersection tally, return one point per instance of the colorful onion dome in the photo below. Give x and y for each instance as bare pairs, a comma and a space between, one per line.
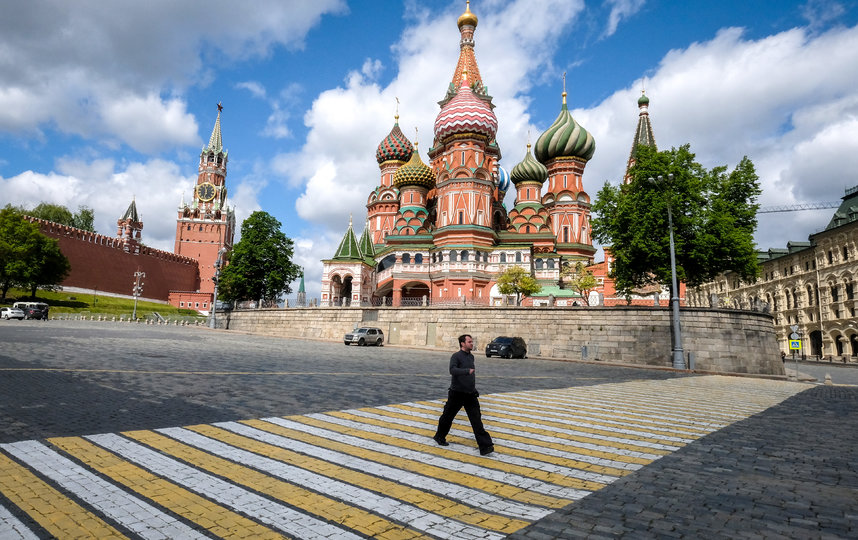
466, 113
565, 138
394, 147
414, 173
467, 18
643, 100
529, 170
503, 179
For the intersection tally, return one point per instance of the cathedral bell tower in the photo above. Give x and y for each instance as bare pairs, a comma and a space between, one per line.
207, 224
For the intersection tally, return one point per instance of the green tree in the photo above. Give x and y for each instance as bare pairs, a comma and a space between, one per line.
27, 257
48, 268
84, 218
579, 279
516, 280
714, 219
260, 265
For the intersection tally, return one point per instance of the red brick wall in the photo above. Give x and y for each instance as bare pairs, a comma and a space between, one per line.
101, 262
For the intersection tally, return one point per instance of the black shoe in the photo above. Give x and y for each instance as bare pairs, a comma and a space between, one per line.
440, 441
487, 450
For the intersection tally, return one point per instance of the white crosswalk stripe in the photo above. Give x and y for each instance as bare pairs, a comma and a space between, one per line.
131, 512
483, 500
369, 471
436, 525
265, 510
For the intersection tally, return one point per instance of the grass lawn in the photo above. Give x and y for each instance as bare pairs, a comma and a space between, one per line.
89, 304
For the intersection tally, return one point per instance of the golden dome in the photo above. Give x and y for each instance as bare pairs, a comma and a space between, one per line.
467, 17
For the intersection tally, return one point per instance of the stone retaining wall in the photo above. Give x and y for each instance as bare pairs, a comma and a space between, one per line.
720, 340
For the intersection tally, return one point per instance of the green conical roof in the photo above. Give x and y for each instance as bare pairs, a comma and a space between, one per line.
301, 286
349, 249
365, 245
131, 212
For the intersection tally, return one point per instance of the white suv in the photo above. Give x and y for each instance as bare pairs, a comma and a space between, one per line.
365, 336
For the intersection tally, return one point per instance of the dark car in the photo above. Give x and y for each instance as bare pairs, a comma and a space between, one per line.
365, 336
507, 347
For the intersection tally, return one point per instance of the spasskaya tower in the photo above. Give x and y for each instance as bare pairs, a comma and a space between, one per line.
207, 224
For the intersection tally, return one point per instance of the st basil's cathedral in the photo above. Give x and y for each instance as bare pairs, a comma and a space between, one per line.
437, 232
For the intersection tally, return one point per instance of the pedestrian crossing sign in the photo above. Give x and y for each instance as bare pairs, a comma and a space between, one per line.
795, 344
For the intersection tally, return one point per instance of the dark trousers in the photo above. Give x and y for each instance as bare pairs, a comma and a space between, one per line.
455, 401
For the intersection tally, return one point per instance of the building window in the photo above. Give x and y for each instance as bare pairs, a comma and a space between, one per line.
538, 264
830, 257
845, 253
418, 258
452, 256
503, 257
461, 218
181, 304
518, 256
464, 256
849, 293
205, 304
834, 296
197, 304
406, 258
565, 235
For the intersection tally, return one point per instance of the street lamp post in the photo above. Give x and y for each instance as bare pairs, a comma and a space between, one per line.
678, 353
137, 290
218, 264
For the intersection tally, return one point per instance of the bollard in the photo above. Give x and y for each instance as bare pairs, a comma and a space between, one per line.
828, 380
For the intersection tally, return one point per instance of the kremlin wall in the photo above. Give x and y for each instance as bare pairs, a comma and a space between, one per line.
108, 264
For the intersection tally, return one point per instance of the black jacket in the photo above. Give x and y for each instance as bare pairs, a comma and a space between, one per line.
461, 363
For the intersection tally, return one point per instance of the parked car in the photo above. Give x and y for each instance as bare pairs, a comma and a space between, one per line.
33, 310
11, 313
365, 336
507, 347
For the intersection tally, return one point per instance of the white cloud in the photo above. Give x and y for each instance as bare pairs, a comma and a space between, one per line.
78, 66
158, 186
336, 165
256, 89
787, 101
621, 9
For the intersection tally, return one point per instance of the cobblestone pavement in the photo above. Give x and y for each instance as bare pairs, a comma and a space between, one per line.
312, 440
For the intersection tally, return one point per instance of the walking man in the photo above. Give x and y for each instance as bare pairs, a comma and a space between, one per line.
463, 393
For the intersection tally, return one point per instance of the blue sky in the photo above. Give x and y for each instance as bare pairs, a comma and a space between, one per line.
101, 102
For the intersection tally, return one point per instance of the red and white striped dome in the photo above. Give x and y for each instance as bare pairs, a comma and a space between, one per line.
466, 113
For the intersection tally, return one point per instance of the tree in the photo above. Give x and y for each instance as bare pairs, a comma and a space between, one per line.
714, 219
516, 280
27, 257
83, 219
260, 265
579, 279
48, 268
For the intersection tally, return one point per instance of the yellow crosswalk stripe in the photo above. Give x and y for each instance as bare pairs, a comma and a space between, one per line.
566, 462
432, 471
351, 517
214, 517
421, 499
56, 513
530, 472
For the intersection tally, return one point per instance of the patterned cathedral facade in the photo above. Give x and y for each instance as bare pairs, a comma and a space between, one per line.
438, 231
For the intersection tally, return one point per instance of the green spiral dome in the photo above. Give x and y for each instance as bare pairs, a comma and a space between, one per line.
529, 170
565, 138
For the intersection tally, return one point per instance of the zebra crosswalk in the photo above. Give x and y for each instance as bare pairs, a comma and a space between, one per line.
369, 472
